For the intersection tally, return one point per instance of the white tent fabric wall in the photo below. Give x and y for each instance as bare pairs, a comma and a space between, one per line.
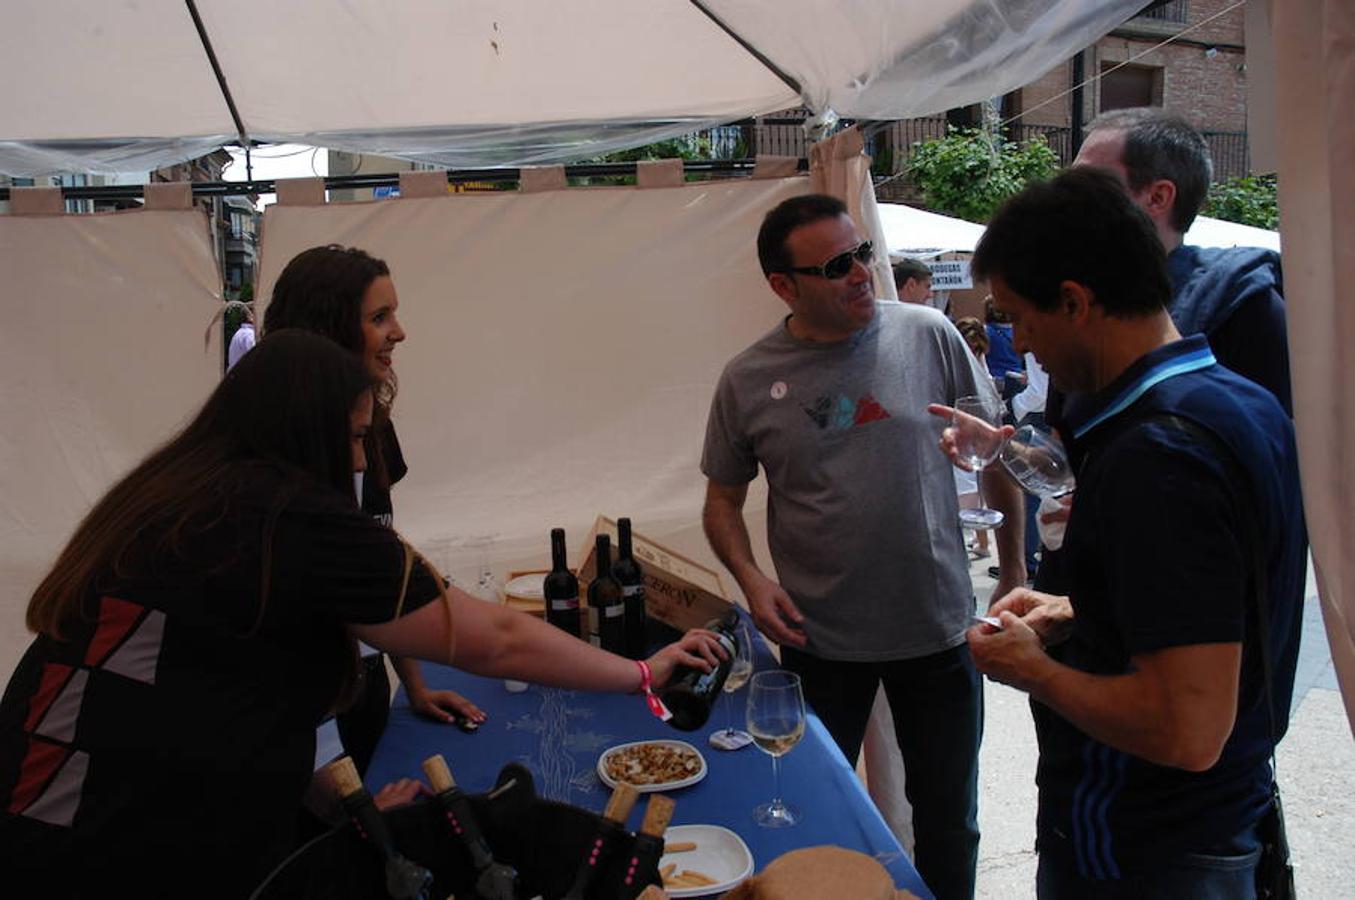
493, 82
563, 349
101, 358
1315, 90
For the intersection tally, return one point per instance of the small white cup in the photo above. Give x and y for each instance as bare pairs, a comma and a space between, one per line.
515, 687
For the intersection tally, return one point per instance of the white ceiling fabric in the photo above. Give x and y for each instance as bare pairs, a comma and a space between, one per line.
120, 87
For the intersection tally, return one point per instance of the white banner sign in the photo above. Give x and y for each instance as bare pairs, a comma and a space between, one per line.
950, 274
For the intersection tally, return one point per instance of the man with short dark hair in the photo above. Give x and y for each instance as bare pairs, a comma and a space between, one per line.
1151, 703
872, 581
913, 281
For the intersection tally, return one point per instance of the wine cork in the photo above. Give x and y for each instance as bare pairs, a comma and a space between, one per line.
345, 776
439, 776
658, 813
621, 803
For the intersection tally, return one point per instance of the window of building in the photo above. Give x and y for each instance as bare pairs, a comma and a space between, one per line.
1129, 86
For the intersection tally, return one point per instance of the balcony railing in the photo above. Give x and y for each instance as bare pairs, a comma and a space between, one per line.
1173, 12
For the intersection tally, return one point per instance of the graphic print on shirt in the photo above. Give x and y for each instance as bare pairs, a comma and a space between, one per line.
841, 412
126, 643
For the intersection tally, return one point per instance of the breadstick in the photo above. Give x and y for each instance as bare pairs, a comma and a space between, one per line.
679, 847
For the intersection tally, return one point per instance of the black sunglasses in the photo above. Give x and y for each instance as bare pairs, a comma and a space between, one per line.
839, 266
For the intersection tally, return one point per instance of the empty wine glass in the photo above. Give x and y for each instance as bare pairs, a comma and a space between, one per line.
1038, 462
776, 719
978, 438
740, 670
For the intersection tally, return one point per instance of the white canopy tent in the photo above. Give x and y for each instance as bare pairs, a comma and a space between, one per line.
129, 86
100, 87
916, 232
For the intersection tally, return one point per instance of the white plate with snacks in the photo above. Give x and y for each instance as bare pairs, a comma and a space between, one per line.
717, 860
652, 765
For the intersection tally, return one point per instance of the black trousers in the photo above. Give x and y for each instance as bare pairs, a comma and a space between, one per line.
937, 702
363, 723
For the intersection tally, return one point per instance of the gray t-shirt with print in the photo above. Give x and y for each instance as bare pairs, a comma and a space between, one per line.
862, 513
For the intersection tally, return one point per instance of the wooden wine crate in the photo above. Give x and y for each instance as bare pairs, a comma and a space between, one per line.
530, 602
678, 591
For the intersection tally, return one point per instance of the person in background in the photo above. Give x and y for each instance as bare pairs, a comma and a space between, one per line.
1232, 296
243, 339
872, 583
159, 732
347, 295
1158, 695
913, 281
1004, 363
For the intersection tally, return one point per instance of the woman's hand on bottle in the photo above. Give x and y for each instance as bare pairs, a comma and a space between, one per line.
698, 648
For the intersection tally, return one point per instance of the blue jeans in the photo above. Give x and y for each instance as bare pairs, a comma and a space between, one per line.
1190, 876
937, 702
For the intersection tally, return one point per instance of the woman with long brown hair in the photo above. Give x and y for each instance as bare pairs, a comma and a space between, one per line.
348, 296
157, 736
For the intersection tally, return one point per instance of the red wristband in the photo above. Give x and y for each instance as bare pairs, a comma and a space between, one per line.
647, 688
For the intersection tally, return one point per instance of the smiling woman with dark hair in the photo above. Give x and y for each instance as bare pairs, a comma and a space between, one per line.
158, 734
348, 296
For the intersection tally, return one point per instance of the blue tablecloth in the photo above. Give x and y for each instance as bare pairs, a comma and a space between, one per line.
559, 735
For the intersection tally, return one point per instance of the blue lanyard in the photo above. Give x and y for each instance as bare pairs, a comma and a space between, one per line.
1168, 368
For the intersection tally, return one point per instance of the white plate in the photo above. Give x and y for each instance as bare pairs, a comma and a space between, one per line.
719, 853
531, 586
649, 788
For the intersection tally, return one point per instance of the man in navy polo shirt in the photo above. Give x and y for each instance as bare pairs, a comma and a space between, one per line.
1147, 685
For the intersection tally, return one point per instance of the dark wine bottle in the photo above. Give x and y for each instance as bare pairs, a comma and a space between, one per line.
632, 579
606, 606
691, 693
561, 588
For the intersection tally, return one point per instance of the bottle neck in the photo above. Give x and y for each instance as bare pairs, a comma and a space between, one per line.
623, 543
604, 556
557, 550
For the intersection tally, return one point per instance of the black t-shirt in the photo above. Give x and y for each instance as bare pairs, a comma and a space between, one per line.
171, 735
386, 468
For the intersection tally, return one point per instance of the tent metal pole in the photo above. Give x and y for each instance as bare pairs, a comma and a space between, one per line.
221, 82
753, 51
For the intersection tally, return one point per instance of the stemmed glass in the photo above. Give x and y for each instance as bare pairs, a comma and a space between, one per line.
740, 669
978, 438
776, 719
1038, 463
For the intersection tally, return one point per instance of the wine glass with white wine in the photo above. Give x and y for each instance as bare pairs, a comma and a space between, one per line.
740, 670
776, 719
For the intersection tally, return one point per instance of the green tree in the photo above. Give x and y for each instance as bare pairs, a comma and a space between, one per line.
687, 146
968, 173
1249, 199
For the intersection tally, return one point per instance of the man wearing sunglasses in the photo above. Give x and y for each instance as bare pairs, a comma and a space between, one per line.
872, 584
